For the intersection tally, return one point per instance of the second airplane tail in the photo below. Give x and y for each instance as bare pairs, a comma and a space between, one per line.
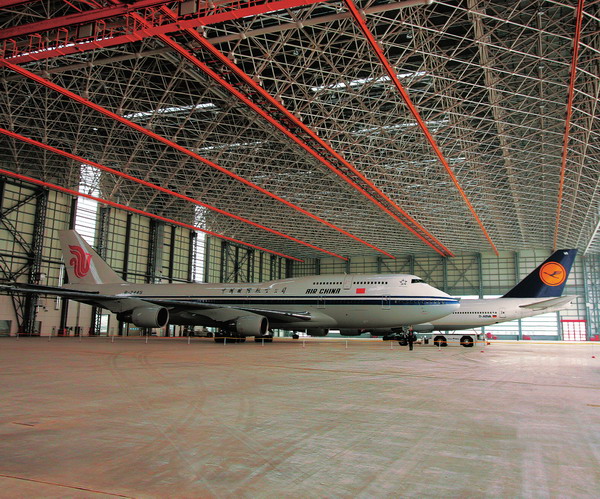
83, 264
548, 280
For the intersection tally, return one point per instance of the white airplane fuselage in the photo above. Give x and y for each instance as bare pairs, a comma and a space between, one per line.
474, 313
332, 301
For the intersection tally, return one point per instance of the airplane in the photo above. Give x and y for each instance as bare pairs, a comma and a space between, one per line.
538, 293
313, 304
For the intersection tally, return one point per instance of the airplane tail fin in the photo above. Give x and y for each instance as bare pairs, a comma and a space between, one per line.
84, 265
548, 280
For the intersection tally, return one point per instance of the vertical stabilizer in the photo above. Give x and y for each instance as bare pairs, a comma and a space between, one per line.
548, 280
84, 265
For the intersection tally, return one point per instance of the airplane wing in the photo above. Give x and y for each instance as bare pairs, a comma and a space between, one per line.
550, 303
200, 308
119, 303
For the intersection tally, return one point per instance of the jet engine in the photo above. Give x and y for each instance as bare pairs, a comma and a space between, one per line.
423, 328
149, 316
251, 325
317, 331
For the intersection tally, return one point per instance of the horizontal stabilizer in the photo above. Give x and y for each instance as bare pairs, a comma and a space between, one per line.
550, 303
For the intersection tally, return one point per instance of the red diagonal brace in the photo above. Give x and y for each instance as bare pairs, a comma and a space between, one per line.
145, 131
135, 210
571, 97
422, 125
118, 173
257, 88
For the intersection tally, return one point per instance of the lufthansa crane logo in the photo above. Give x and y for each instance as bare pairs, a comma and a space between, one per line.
80, 262
553, 274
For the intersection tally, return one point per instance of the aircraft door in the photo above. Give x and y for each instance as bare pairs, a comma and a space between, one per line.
347, 281
321, 302
502, 313
385, 302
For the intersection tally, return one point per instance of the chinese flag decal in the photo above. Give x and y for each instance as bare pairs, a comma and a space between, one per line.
360, 291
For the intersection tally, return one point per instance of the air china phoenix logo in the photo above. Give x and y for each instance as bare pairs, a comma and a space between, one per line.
553, 274
80, 261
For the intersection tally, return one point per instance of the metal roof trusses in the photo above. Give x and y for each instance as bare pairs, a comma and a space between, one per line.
490, 80
290, 125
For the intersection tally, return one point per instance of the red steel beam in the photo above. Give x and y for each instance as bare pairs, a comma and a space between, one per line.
149, 133
570, 99
158, 188
413, 110
436, 245
78, 18
261, 112
149, 31
135, 210
72, 46
250, 9
5, 4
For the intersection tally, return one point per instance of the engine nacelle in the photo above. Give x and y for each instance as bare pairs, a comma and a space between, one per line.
353, 332
423, 328
149, 316
317, 331
252, 325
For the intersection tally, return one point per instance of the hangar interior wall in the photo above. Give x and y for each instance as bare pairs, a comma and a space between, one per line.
138, 248
229, 262
142, 249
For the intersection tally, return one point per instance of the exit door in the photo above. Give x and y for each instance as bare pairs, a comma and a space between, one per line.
385, 302
347, 281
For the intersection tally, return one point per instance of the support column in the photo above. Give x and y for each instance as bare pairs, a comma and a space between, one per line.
35, 258
191, 255
517, 264
155, 246
171, 269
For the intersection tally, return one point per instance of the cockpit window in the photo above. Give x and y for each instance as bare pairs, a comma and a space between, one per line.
415, 281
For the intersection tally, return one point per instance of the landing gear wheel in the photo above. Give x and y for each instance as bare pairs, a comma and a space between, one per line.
295, 336
466, 341
440, 341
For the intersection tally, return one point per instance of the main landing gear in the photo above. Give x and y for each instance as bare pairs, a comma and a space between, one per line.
402, 336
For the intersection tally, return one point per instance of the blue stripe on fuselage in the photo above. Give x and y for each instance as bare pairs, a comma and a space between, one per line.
313, 300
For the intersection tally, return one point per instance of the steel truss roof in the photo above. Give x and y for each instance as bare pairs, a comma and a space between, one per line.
315, 128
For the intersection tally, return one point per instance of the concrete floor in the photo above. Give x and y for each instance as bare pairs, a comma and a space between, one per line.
90, 418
